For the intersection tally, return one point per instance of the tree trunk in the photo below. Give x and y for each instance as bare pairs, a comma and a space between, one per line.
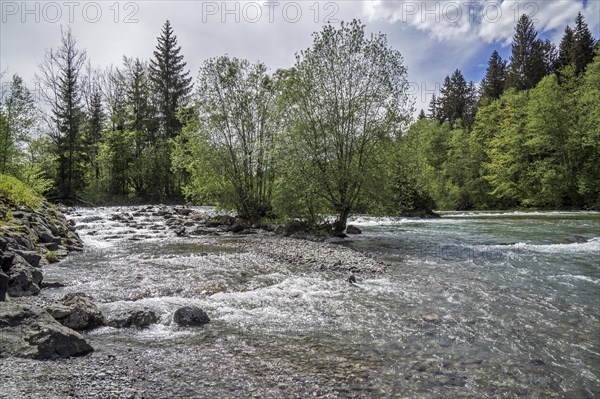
340, 224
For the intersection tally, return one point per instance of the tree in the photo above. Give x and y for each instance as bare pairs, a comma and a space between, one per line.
171, 86
237, 102
60, 75
17, 113
171, 82
457, 100
347, 94
493, 84
566, 49
94, 120
583, 52
531, 58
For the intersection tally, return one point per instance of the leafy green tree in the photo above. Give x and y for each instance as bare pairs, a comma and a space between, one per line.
508, 159
347, 93
587, 134
236, 102
17, 117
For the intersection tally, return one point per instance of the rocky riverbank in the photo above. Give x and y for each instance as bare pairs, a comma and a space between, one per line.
31, 238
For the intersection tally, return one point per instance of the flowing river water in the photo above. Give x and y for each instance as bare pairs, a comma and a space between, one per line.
499, 304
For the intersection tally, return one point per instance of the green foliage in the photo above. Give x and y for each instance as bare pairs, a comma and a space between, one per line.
15, 192
346, 94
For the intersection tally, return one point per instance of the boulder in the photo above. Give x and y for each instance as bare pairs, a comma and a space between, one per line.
29, 331
236, 228
76, 311
190, 316
24, 279
3, 286
30, 257
351, 229
6, 260
430, 317
137, 318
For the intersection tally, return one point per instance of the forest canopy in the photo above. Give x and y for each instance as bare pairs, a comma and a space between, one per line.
331, 135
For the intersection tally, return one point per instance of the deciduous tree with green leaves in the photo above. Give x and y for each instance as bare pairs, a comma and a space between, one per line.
347, 93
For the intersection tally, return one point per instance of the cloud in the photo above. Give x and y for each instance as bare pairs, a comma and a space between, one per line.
492, 21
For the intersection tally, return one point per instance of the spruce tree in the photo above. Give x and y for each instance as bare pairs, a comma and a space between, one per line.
171, 82
493, 84
434, 107
584, 45
530, 58
566, 49
422, 115
61, 76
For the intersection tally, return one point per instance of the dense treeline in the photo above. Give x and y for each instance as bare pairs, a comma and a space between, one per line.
330, 135
529, 139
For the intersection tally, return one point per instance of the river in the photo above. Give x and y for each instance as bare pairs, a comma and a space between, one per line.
473, 304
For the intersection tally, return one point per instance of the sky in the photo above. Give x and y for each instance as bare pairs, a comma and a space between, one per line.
434, 37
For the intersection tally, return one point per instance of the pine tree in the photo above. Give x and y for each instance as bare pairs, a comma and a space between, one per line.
493, 84
566, 50
61, 76
94, 124
422, 115
170, 80
457, 100
434, 107
584, 45
529, 61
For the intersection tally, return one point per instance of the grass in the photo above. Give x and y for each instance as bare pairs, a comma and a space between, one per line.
14, 192
51, 257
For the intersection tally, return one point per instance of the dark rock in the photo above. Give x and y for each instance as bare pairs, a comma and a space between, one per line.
24, 279
76, 311
47, 237
90, 219
351, 229
183, 211
236, 228
180, 231
202, 232
29, 331
190, 316
51, 246
3, 286
52, 284
30, 257
352, 279
137, 318
6, 260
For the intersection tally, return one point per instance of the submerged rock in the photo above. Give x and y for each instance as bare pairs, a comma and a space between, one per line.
76, 311
29, 331
430, 317
137, 318
190, 316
